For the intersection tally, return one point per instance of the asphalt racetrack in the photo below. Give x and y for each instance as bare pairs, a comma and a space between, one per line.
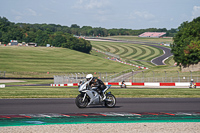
37, 106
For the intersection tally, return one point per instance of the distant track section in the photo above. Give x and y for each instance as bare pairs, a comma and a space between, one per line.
157, 61
161, 59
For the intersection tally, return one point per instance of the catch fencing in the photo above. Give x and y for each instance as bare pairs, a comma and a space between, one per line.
165, 76
77, 77
131, 76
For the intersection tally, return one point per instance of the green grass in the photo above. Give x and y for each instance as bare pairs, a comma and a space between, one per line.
170, 61
64, 92
38, 92
37, 61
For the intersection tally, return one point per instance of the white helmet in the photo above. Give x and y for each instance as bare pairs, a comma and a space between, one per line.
192, 80
89, 76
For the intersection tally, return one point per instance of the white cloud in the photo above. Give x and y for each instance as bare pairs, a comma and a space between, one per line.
18, 15
142, 15
53, 1
101, 18
16, 12
96, 8
18, 18
90, 4
80, 2
102, 12
32, 12
196, 12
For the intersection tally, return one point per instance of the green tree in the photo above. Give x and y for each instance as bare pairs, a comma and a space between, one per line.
41, 38
75, 26
59, 39
186, 46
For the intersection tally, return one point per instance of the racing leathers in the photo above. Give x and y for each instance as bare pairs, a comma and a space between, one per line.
95, 82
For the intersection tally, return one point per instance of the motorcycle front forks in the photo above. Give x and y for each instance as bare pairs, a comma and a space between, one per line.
84, 97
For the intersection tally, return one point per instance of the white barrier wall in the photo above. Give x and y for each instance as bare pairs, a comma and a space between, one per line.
151, 84
183, 84
2, 86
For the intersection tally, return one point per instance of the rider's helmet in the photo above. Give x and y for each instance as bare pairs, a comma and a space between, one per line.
89, 76
192, 80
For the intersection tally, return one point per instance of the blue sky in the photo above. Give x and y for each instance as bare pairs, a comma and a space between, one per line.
130, 14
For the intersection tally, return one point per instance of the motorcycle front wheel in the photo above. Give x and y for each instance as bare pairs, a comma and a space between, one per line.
110, 101
79, 101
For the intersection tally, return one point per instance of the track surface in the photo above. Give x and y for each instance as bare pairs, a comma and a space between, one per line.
35, 106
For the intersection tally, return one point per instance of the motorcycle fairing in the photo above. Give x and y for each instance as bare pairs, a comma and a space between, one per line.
94, 97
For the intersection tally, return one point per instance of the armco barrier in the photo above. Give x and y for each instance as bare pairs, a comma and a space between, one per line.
167, 84
147, 84
71, 84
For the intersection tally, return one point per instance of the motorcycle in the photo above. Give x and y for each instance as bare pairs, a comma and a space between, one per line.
123, 85
89, 96
192, 85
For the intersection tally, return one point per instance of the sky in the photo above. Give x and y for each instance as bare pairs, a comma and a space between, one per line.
129, 14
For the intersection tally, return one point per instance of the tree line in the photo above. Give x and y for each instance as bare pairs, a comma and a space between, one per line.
41, 34
98, 31
186, 46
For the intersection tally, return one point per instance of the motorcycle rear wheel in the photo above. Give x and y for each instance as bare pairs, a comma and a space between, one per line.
110, 104
79, 101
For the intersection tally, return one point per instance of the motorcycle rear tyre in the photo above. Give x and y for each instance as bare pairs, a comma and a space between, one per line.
113, 101
79, 102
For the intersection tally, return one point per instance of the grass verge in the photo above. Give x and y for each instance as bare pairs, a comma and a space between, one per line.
66, 92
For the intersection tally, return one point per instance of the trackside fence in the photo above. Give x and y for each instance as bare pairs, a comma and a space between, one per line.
165, 76
131, 76
2, 73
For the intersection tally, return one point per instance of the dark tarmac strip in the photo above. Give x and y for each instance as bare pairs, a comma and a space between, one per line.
67, 105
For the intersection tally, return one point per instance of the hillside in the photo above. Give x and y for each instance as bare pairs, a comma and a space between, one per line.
42, 59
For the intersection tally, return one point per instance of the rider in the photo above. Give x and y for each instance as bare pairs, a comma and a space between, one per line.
191, 82
95, 82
